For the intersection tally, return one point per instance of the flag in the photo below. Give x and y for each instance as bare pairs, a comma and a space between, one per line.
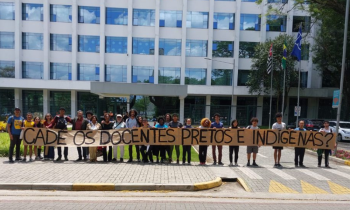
297, 46
284, 58
269, 61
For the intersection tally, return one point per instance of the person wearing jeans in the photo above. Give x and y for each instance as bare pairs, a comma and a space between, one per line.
80, 123
325, 129
205, 123
299, 152
217, 124
14, 125
174, 124
186, 149
107, 125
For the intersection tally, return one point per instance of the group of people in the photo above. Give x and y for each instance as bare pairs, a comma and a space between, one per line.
17, 123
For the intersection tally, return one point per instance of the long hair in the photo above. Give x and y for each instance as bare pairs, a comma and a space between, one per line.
203, 120
45, 120
233, 121
131, 111
39, 125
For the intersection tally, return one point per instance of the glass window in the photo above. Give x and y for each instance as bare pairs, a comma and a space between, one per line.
88, 72
303, 80
304, 20
32, 70
196, 48
276, 23
7, 103
250, 22
7, 40
60, 13
195, 76
221, 77
60, 71
117, 16
115, 73
169, 18
224, 21
248, 0
7, 11
87, 101
142, 74
243, 77
32, 41
169, 75
61, 42
60, 99
225, 0
170, 47
277, 1
89, 43
144, 17
32, 102
32, 12
222, 49
247, 49
89, 15
144, 46
305, 52
7, 69
116, 44
197, 19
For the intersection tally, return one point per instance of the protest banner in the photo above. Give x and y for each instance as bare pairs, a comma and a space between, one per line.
178, 136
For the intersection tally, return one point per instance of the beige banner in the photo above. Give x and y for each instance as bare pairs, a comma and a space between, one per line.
179, 136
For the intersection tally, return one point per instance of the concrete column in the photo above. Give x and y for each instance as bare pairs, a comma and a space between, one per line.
183, 42
74, 40
182, 109
210, 41
260, 109
46, 41
263, 21
156, 43
207, 107
102, 39
18, 39
234, 108
73, 102
128, 103
236, 41
46, 101
129, 51
18, 99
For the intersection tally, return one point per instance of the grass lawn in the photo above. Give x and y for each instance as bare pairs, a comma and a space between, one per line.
5, 145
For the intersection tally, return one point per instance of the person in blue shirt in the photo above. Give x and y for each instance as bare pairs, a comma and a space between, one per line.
217, 124
299, 151
14, 128
162, 148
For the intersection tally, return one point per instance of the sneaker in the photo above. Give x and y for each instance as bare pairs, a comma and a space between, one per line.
189, 163
319, 166
66, 158
276, 165
279, 165
114, 160
220, 163
248, 164
327, 166
214, 163
40, 157
79, 159
302, 165
138, 160
183, 163
19, 159
30, 159
231, 164
37, 158
129, 161
121, 160
162, 161
254, 164
59, 159
236, 164
85, 159
24, 159
11, 161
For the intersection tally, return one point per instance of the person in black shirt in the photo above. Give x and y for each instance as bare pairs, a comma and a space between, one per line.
107, 125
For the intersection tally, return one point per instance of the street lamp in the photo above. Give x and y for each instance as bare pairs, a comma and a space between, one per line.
233, 81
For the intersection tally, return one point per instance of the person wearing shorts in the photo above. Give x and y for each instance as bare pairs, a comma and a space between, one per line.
252, 149
279, 125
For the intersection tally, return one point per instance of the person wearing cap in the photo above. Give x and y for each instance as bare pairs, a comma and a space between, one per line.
162, 148
117, 125
14, 125
60, 122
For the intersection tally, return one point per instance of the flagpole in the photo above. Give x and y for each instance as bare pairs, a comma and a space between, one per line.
284, 90
271, 92
298, 96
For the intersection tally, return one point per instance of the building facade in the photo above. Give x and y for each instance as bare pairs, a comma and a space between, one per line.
94, 54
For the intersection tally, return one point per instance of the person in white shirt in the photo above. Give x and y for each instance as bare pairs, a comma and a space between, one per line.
325, 129
279, 125
117, 125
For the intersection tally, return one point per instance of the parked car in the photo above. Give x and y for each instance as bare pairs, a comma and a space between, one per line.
344, 130
309, 124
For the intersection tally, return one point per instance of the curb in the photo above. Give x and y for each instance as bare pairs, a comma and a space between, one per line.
111, 187
243, 184
345, 162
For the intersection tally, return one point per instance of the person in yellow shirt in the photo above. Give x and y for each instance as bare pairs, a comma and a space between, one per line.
28, 123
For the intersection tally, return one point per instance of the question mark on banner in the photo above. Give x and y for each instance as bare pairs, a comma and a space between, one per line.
329, 138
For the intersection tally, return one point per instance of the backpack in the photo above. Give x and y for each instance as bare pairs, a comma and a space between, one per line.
61, 123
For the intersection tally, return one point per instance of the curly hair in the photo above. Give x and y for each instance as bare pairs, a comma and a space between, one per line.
203, 120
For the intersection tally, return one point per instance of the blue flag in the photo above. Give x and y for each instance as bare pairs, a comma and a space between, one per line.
297, 46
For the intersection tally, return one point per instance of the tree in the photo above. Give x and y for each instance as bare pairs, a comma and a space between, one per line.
258, 79
141, 104
164, 105
7, 71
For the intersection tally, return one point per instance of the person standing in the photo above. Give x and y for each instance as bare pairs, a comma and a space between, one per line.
60, 122
205, 123
28, 123
88, 115
167, 119
186, 149
117, 125
174, 124
217, 124
37, 149
234, 125
106, 124
253, 149
162, 148
49, 151
146, 156
93, 125
80, 123
14, 125
279, 125
125, 117
132, 122
325, 129
299, 152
